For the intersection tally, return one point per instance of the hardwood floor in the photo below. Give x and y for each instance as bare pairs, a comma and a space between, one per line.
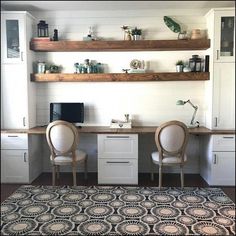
170, 180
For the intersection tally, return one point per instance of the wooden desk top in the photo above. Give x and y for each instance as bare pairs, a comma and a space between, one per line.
108, 130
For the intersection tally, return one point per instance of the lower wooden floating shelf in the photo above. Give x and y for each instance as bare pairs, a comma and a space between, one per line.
125, 77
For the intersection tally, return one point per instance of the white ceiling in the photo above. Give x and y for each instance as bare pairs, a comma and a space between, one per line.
110, 5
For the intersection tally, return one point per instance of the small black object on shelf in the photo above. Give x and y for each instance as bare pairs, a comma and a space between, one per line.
207, 59
55, 36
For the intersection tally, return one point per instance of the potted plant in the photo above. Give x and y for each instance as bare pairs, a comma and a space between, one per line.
136, 33
179, 66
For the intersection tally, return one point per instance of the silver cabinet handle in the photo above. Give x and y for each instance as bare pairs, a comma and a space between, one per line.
217, 54
113, 162
12, 136
24, 156
231, 137
21, 56
23, 121
215, 159
216, 122
117, 136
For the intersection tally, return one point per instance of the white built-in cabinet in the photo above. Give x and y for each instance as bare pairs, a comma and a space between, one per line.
223, 104
220, 90
217, 161
21, 161
117, 159
18, 107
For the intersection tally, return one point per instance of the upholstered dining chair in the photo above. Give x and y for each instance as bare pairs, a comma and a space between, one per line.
171, 140
63, 139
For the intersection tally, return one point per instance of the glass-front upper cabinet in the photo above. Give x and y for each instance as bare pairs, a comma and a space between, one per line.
225, 36
12, 38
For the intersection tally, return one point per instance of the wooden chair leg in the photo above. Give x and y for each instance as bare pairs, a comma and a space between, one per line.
58, 171
74, 175
160, 176
86, 169
53, 174
151, 169
182, 176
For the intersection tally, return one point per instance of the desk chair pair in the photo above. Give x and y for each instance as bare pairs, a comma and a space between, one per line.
63, 139
171, 139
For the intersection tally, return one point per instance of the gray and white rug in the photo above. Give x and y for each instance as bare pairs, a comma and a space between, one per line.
115, 210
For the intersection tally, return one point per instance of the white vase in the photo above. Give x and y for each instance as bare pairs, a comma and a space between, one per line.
179, 68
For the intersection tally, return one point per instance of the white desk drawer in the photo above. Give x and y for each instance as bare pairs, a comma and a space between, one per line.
223, 142
14, 141
117, 146
117, 171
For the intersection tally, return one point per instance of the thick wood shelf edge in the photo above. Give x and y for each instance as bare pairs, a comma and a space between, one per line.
125, 77
121, 45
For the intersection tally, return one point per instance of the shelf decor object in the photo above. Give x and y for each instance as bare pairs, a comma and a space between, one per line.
192, 123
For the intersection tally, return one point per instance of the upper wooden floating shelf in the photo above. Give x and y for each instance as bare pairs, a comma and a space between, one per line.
122, 45
114, 77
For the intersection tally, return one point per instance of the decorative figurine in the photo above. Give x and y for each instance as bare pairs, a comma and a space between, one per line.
126, 70
127, 33
55, 36
90, 35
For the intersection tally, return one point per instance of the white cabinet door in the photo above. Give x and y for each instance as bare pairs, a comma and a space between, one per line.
14, 99
223, 168
224, 96
224, 39
14, 166
13, 38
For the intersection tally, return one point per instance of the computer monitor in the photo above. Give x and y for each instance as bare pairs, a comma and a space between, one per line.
71, 112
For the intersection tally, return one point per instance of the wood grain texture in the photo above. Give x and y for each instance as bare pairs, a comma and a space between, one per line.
120, 45
114, 77
107, 129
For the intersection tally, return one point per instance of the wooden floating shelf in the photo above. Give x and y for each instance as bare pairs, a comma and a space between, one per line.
114, 77
121, 45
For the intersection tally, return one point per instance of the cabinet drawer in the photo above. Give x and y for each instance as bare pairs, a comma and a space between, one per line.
14, 141
117, 146
223, 142
117, 171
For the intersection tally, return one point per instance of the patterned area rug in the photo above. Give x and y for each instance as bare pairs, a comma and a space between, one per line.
113, 210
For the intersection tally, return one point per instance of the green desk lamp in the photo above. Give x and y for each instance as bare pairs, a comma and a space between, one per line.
192, 123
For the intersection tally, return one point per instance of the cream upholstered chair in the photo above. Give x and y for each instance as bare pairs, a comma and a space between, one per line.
63, 138
171, 139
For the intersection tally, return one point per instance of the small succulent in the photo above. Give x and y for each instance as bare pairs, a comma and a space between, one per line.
180, 62
136, 31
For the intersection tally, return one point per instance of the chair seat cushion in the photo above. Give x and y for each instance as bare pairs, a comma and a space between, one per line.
61, 160
167, 159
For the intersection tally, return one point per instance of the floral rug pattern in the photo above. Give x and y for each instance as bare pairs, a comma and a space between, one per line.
116, 210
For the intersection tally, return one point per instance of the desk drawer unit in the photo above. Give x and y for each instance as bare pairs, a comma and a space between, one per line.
14, 158
118, 159
218, 160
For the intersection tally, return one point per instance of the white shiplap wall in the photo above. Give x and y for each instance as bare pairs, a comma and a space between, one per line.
149, 103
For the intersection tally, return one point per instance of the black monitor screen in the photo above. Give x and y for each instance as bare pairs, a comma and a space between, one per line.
71, 112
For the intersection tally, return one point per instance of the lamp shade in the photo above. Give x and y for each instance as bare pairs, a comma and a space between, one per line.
180, 102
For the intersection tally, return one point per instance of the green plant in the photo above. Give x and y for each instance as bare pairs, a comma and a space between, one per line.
180, 62
136, 31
